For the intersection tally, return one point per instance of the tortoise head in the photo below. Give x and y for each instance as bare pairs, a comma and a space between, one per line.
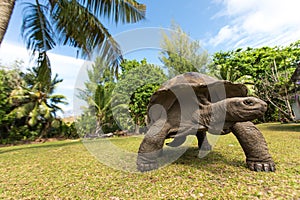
244, 108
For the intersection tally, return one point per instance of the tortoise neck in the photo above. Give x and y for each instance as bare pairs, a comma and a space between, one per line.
218, 112
212, 114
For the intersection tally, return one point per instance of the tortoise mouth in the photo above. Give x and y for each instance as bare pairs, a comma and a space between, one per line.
259, 111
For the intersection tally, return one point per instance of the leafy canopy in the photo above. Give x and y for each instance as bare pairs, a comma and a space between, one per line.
180, 53
138, 81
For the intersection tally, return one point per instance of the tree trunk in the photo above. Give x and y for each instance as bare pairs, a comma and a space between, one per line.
45, 130
289, 108
137, 125
6, 9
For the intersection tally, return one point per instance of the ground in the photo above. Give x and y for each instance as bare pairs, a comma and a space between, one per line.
66, 170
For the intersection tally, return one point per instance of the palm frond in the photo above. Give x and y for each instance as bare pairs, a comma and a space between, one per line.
72, 21
92, 102
44, 71
124, 11
21, 96
23, 110
54, 82
45, 110
55, 109
36, 29
57, 98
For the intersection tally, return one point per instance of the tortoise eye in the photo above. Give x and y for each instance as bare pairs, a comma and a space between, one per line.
248, 102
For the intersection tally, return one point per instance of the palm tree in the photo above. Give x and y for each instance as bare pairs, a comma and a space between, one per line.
6, 9
98, 94
77, 23
102, 105
35, 102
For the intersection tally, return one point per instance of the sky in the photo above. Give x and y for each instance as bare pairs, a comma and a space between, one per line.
219, 25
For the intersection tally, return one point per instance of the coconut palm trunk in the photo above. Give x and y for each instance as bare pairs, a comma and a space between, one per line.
6, 9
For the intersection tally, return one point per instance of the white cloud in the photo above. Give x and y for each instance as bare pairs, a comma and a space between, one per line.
258, 23
226, 33
10, 53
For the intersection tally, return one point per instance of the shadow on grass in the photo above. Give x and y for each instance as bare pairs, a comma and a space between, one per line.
37, 146
291, 127
211, 162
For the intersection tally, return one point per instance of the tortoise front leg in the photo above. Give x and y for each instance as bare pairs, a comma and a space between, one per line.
254, 146
152, 145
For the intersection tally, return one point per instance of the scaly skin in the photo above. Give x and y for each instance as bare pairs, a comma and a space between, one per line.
151, 146
254, 146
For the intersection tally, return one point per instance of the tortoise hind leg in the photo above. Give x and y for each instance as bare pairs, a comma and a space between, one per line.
254, 146
152, 145
203, 143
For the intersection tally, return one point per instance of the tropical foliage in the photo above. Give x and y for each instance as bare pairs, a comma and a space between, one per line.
35, 102
9, 79
266, 70
28, 105
117, 98
123, 101
97, 116
138, 81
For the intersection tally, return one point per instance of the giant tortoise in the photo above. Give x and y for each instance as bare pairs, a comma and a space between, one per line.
193, 103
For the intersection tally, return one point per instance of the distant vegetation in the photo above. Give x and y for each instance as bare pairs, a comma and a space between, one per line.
28, 106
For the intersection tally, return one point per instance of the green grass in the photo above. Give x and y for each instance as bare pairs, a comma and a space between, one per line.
66, 170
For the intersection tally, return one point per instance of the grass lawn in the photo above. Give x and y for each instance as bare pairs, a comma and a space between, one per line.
66, 170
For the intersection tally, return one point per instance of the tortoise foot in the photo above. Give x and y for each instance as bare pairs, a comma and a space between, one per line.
144, 163
144, 167
261, 166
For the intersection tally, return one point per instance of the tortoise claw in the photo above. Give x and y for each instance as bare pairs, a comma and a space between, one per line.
266, 168
261, 167
258, 167
272, 167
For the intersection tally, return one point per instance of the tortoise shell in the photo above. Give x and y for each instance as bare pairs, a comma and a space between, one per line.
195, 88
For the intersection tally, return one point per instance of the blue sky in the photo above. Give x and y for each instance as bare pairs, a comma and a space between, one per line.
217, 24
